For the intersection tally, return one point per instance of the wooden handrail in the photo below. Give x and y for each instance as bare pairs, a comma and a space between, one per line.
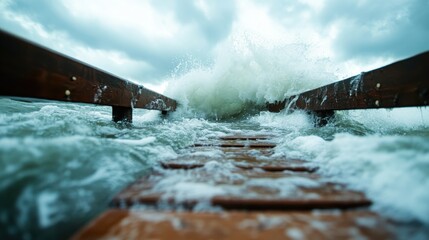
30, 70
401, 84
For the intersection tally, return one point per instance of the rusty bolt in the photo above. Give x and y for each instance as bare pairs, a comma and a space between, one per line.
377, 103
67, 92
73, 78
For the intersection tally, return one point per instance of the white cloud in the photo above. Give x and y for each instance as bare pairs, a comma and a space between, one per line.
132, 18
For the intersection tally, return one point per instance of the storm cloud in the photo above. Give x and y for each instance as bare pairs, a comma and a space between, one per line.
145, 40
149, 37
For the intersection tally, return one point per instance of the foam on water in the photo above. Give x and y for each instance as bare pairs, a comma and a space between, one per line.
392, 170
246, 74
383, 153
139, 142
369, 150
60, 163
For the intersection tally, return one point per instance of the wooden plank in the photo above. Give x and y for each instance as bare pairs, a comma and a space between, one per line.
249, 203
401, 84
266, 167
234, 144
124, 224
253, 190
30, 70
348, 200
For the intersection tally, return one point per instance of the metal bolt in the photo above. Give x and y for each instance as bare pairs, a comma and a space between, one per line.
378, 86
67, 92
73, 78
377, 103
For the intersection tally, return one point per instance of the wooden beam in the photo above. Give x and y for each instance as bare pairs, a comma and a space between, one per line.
30, 70
401, 84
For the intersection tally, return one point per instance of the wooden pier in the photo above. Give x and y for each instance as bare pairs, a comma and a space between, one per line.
272, 199
260, 196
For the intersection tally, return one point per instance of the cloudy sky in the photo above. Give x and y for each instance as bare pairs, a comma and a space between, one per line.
145, 41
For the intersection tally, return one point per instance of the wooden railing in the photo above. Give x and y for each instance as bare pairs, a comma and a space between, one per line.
30, 70
401, 84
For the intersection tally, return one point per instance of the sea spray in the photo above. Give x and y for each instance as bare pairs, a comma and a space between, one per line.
365, 149
245, 75
382, 153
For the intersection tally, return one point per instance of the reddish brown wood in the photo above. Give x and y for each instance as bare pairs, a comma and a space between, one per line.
269, 204
29, 70
345, 200
236, 145
123, 224
255, 197
401, 84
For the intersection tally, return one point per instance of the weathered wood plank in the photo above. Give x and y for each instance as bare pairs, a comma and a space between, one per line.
266, 167
250, 203
401, 84
259, 191
234, 144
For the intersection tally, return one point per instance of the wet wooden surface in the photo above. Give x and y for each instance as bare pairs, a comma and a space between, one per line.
245, 190
123, 224
251, 194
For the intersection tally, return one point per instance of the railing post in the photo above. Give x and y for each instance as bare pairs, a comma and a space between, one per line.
122, 114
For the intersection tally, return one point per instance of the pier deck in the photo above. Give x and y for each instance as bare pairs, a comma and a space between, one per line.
260, 198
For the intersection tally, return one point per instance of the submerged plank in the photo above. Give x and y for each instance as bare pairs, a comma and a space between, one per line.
241, 189
266, 167
239, 193
234, 144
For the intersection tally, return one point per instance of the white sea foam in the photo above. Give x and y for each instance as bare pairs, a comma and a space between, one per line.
392, 170
49, 214
384, 121
294, 233
284, 186
139, 142
293, 122
191, 190
246, 73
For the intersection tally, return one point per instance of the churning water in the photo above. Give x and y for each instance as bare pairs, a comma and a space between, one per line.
61, 163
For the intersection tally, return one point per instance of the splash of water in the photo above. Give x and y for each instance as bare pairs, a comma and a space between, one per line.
245, 75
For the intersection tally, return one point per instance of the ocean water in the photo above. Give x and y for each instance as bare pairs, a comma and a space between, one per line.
61, 163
